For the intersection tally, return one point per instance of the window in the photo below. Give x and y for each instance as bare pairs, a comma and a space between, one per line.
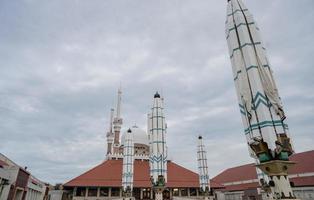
115, 192
104, 192
92, 192
193, 192
80, 192
184, 192
175, 192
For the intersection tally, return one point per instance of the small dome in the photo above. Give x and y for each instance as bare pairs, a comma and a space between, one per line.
139, 136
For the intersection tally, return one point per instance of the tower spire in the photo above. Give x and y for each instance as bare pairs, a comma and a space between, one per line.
110, 135
111, 120
118, 109
117, 123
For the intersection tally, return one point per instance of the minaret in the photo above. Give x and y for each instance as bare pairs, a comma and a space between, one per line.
149, 127
128, 162
203, 168
117, 123
260, 105
110, 135
158, 156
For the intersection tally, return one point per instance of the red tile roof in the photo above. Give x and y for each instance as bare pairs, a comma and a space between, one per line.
240, 187
304, 164
303, 181
216, 185
240, 173
109, 173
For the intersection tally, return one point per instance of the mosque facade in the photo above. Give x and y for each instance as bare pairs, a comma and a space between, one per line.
105, 180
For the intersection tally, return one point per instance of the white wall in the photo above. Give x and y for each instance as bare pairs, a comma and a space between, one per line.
35, 189
304, 193
55, 195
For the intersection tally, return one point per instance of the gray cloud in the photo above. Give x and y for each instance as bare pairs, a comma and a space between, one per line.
61, 63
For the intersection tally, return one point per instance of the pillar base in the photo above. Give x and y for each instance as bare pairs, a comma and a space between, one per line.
279, 185
158, 196
159, 192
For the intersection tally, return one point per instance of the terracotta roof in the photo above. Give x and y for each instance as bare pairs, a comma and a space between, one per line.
303, 181
215, 185
240, 173
109, 173
304, 164
241, 187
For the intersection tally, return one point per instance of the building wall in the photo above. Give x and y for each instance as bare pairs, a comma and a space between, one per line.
59, 195
4, 184
84, 193
35, 189
234, 195
304, 193
139, 149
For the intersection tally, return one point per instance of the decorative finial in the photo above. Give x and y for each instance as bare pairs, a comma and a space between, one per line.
157, 95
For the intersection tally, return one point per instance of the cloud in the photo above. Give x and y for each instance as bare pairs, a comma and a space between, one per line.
60, 71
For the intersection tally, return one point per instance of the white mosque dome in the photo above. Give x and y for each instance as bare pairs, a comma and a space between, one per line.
140, 136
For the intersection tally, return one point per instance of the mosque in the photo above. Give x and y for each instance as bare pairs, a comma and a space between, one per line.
137, 164
105, 180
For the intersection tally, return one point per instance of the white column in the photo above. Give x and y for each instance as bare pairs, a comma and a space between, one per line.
202, 165
128, 161
158, 157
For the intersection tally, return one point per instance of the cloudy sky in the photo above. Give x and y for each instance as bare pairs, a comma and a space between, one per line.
61, 63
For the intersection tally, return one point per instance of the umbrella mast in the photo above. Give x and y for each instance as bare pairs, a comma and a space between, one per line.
259, 102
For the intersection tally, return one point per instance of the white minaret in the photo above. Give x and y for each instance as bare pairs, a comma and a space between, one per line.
149, 127
110, 135
260, 105
117, 123
158, 156
128, 163
202, 167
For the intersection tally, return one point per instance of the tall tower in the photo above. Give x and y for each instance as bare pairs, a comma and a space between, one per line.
202, 167
128, 163
149, 128
117, 123
260, 105
158, 156
110, 135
